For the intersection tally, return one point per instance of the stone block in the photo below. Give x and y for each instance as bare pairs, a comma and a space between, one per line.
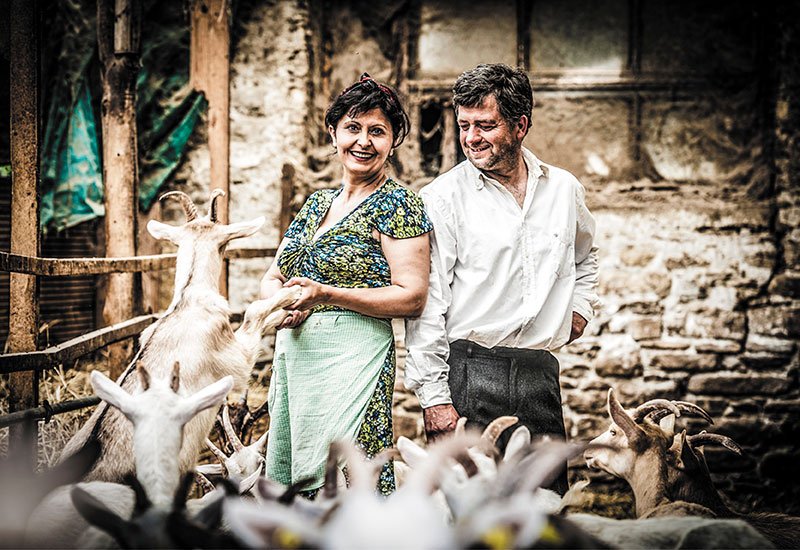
714, 406
667, 343
589, 427
407, 424
781, 466
618, 357
683, 261
738, 384
712, 323
786, 284
684, 361
587, 401
637, 256
645, 328
635, 393
779, 321
764, 360
789, 217
791, 248
718, 346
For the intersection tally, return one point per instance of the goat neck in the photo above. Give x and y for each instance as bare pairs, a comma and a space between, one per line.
197, 272
649, 481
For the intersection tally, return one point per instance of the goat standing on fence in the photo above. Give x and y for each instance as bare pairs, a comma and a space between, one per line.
194, 330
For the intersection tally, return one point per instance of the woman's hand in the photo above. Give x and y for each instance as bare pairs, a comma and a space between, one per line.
314, 293
294, 319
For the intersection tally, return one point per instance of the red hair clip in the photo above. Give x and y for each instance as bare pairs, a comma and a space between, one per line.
369, 83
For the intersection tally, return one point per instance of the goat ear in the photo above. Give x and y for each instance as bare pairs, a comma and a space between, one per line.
97, 514
667, 425
622, 419
163, 231
258, 446
411, 453
243, 229
111, 393
209, 396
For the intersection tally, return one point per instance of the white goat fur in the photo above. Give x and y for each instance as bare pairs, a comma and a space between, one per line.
158, 416
194, 330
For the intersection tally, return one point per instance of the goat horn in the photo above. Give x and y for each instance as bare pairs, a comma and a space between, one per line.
654, 405
219, 454
203, 482
621, 418
229, 431
212, 207
186, 202
698, 440
684, 406
460, 426
496, 427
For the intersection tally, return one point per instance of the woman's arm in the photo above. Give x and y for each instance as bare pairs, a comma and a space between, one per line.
273, 280
409, 262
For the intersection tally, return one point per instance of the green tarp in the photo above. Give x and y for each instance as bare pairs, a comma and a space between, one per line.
166, 110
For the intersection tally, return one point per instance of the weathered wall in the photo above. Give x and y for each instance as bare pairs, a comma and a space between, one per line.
698, 231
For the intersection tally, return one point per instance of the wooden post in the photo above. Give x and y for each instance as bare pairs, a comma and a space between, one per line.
24, 289
210, 75
287, 194
118, 24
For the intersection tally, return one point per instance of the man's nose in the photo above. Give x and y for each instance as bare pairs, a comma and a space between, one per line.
472, 135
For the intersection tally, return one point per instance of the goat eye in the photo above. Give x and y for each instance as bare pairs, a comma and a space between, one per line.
613, 432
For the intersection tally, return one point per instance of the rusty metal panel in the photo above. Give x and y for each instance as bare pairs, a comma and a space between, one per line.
5, 244
67, 304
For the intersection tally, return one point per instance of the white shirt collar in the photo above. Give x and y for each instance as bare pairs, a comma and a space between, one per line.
539, 170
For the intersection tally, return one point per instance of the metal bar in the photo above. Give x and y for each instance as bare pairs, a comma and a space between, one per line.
46, 411
66, 267
74, 348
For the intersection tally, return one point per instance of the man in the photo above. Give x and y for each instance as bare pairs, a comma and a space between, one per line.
513, 270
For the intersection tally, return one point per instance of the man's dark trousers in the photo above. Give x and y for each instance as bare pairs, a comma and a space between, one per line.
487, 383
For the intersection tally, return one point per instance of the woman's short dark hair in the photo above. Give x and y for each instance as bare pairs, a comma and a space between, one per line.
510, 87
365, 95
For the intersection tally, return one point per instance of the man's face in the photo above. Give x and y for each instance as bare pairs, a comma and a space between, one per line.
486, 138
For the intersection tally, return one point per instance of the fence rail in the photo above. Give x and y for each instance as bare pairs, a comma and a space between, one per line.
70, 350
66, 267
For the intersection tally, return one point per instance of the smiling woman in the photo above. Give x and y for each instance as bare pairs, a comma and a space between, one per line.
361, 256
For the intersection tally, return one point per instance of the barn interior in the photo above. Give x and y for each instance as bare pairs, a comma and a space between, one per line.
680, 118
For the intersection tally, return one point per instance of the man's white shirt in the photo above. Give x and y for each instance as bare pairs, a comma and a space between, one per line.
501, 275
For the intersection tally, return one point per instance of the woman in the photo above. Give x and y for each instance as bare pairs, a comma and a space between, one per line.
360, 253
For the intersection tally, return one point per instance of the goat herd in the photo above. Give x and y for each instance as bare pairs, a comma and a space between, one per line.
460, 492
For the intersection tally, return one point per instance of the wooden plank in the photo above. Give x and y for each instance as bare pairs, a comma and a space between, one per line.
127, 18
287, 193
23, 291
120, 162
66, 267
70, 350
210, 74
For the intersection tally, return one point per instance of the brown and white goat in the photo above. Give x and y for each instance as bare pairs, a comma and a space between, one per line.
194, 330
638, 453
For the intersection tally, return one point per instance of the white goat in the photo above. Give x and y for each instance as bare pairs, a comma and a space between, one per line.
194, 330
158, 415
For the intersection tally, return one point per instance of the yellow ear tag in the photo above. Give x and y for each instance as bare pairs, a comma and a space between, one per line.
499, 537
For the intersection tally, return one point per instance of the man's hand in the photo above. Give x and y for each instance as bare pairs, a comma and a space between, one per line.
578, 324
439, 420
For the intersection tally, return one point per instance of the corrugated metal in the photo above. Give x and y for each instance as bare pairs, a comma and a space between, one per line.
67, 305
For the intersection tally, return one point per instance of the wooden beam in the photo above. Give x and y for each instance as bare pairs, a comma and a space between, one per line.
70, 350
66, 267
287, 194
210, 75
46, 411
23, 294
118, 26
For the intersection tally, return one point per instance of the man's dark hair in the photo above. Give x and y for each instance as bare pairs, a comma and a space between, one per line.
510, 87
365, 95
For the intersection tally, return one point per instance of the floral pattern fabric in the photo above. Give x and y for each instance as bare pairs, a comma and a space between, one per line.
347, 255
